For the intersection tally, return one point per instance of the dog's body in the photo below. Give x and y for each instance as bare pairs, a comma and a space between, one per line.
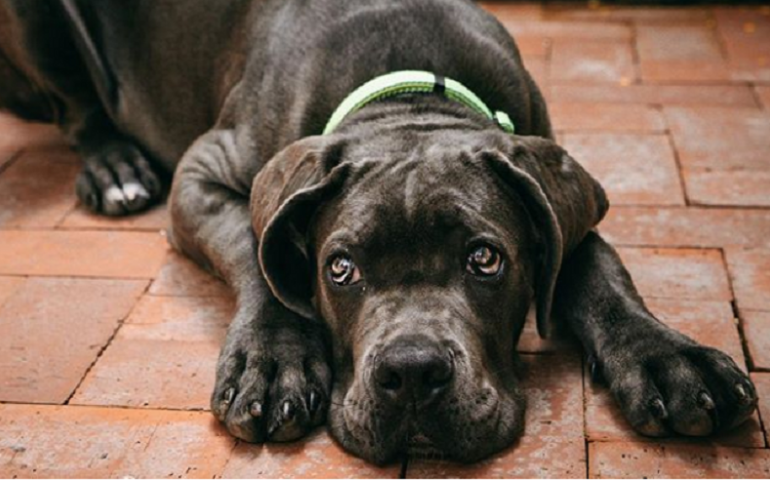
409, 242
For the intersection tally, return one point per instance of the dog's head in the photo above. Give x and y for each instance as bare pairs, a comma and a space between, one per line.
422, 254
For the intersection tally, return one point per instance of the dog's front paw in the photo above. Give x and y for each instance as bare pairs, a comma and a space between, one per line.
666, 383
272, 381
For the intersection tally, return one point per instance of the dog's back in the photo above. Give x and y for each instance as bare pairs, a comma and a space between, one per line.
175, 62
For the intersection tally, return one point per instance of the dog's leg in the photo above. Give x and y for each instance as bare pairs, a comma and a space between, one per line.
273, 378
117, 178
664, 381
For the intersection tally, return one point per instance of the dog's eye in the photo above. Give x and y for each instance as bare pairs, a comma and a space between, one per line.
343, 271
484, 261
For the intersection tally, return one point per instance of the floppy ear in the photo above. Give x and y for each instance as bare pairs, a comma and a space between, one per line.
284, 197
564, 201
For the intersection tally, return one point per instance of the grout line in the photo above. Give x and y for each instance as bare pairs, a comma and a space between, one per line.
404, 467
11, 160
678, 246
663, 247
757, 98
107, 407
58, 225
693, 206
718, 37
104, 348
229, 456
94, 229
677, 161
750, 367
87, 277
763, 426
636, 59
736, 316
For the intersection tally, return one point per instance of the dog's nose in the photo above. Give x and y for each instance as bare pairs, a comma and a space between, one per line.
413, 370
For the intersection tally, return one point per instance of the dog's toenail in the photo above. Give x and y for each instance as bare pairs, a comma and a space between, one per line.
658, 409
133, 190
287, 410
256, 410
228, 396
595, 370
705, 401
742, 394
115, 195
313, 402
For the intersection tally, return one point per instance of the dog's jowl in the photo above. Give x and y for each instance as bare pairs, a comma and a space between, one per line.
378, 182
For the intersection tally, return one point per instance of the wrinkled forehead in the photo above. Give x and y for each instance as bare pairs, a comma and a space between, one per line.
423, 198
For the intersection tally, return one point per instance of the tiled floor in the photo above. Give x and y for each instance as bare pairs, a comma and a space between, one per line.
108, 339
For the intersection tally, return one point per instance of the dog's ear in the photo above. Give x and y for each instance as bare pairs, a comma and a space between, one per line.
284, 198
564, 201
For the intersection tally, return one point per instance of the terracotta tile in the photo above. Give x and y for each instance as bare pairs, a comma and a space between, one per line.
153, 220
8, 286
552, 445
534, 46
529, 458
763, 92
722, 95
686, 71
48, 341
745, 32
71, 442
513, 11
538, 69
762, 382
633, 169
317, 456
569, 30
90, 254
178, 341
689, 227
677, 311
698, 70
736, 188
756, 330
38, 188
720, 138
17, 134
179, 276
750, 275
677, 273
561, 338
618, 13
750, 69
605, 117
592, 62
677, 42
554, 390
637, 459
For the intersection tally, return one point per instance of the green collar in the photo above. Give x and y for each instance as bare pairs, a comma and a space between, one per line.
413, 81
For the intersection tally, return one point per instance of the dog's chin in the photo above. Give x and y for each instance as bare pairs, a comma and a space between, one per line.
382, 437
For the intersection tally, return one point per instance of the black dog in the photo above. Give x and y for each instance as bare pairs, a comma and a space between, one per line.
400, 251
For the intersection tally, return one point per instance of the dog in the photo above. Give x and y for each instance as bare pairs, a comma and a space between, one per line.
383, 261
